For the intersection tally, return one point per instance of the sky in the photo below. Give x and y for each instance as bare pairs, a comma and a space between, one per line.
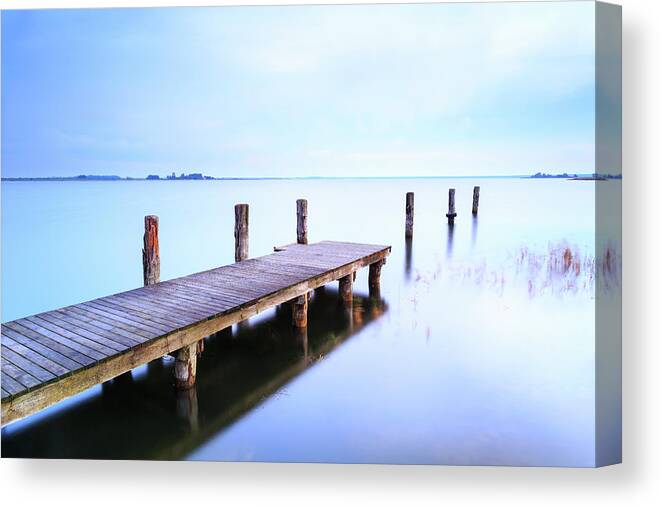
353, 90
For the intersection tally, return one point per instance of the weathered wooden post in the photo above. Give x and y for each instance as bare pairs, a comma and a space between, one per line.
346, 289
476, 199
451, 212
299, 308
151, 258
240, 232
185, 366
409, 215
375, 275
302, 221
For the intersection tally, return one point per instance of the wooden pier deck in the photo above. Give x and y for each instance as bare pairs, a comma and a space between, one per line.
50, 356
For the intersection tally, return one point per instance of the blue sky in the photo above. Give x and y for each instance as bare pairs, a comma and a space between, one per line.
380, 90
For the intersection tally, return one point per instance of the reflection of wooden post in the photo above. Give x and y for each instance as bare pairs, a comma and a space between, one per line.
240, 232
302, 221
299, 308
476, 199
409, 215
346, 289
375, 275
451, 212
151, 259
185, 366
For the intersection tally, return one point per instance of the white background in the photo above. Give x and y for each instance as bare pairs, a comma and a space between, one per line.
636, 482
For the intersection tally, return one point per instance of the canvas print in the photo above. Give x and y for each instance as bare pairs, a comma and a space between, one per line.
326, 234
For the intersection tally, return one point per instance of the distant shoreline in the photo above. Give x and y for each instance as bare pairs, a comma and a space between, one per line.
112, 178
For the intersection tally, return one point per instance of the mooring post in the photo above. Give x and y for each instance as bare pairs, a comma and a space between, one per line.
451, 212
185, 366
240, 232
299, 307
302, 221
346, 289
476, 199
375, 275
151, 258
409, 215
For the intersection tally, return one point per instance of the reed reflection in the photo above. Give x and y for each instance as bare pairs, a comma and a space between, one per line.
474, 231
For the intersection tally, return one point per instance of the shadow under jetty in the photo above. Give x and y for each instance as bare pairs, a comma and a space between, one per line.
141, 415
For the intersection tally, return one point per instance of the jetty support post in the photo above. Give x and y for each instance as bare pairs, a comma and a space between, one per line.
299, 307
240, 232
375, 276
451, 211
185, 366
476, 199
346, 289
409, 215
302, 221
151, 257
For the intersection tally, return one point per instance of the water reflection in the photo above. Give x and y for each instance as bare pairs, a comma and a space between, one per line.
474, 232
408, 258
448, 252
144, 417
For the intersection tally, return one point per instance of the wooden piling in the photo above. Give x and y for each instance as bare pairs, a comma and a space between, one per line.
240, 232
299, 308
302, 221
409, 215
151, 258
346, 289
375, 275
185, 366
476, 199
451, 211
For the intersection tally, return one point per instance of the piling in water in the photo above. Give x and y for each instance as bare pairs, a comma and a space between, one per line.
302, 221
375, 275
409, 215
451, 211
240, 232
151, 258
185, 366
299, 308
346, 289
476, 199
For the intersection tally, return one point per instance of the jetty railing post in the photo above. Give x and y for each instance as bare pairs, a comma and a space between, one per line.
302, 221
476, 199
151, 257
409, 215
451, 211
346, 289
240, 232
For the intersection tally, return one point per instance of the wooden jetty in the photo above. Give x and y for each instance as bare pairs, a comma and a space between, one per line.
54, 355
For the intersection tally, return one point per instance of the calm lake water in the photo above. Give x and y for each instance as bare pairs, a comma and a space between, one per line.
479, 351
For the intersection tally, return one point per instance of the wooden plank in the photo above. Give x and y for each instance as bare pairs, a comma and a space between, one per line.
33, 337
111, 310
83, 329
40, 359
73, 344
10, 385
154, 304
26, 364
43, 349
109, 324
19, 375
105, 349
